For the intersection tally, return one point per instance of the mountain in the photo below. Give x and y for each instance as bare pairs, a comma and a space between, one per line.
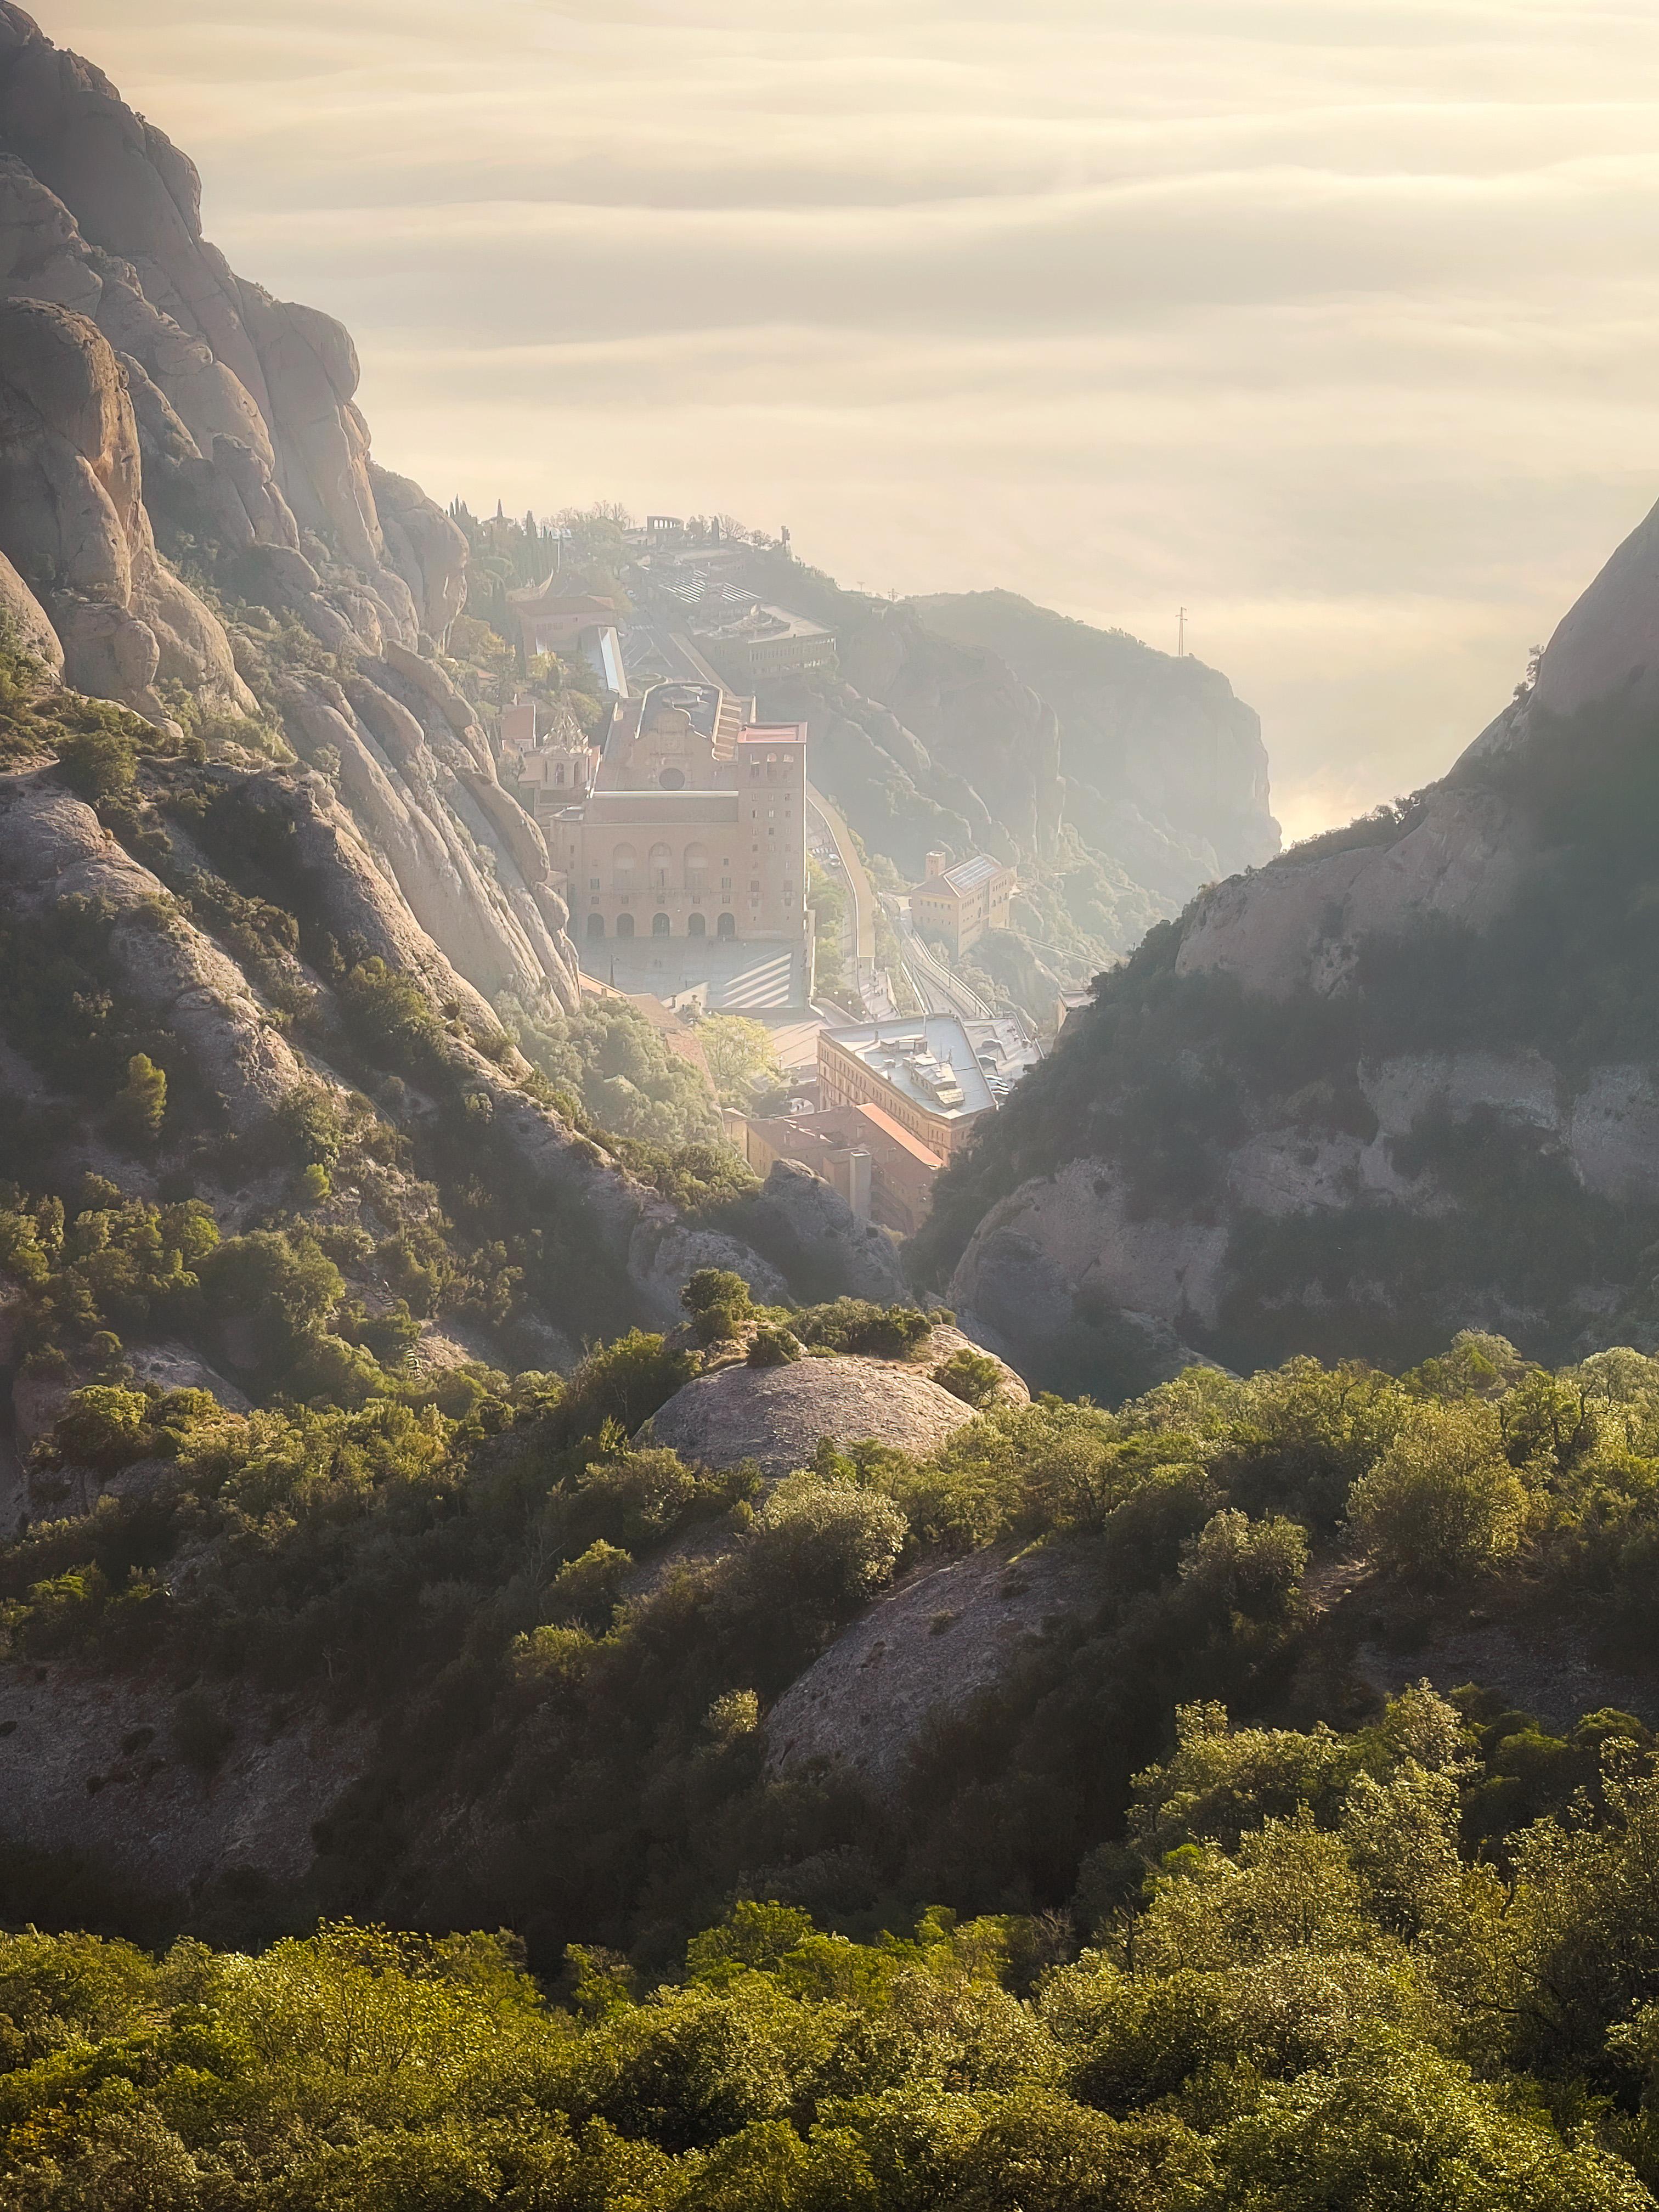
1118, 778
251, 836
1164, 770
1399, 1080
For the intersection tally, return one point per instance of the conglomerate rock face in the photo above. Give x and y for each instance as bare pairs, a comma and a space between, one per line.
74, 526
142, 382
103, 215
1396, 1082
777, 1416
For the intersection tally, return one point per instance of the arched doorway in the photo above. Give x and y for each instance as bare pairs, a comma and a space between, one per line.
624, 924
596, 924
696, 925
659, 925
725, 926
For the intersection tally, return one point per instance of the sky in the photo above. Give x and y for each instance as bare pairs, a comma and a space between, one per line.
1333, 321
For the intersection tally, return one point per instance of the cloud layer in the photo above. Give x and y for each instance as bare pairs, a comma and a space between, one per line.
1332, 320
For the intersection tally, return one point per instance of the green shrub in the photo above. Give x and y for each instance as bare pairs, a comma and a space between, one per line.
773, 1346
973, 1377
719, 1302
99, 763
1443, 1501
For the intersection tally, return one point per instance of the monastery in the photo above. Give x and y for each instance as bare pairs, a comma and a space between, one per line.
680, 844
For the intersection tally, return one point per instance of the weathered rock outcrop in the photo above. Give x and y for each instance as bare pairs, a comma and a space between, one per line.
1397, 1082
922, 1652
74, 526
137, 372
777, 1416
818, 1239
94, 1765
103, 214
52, 849
26, 621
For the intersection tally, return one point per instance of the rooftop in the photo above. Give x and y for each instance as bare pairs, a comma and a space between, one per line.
969, 874
944, 1065
761, 622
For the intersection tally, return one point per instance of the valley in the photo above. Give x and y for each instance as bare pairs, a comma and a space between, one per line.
773, 1435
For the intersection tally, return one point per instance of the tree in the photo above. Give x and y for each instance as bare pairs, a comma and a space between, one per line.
719, 1302
740, 1057
98, 764
140, 1104
1443, 1500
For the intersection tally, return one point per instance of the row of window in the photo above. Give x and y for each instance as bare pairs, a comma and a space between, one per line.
725, 925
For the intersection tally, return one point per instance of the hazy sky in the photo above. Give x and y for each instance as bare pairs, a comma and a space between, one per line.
1336, 320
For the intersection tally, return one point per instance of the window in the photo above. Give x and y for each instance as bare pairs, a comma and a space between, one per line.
753, 883
696, 867
592, 883
673, 779
623, 861
661, 858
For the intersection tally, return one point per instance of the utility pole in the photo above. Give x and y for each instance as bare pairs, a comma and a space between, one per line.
1180, 636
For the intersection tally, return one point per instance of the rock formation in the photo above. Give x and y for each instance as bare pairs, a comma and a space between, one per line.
1399, 1080
778, 1416
74, 526
104, 215
143, 384
921, 1653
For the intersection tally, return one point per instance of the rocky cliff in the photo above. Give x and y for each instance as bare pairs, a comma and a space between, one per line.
1405, 1078
1120, 780
152, 403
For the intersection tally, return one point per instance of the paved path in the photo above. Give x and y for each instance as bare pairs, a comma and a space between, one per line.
858, 883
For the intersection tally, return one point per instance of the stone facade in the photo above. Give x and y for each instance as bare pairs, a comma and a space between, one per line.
677, 830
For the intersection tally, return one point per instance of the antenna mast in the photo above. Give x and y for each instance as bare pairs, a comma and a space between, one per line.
1181, 635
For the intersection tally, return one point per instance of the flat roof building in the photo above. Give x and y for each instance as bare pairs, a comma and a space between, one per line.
765, 642
933, 1074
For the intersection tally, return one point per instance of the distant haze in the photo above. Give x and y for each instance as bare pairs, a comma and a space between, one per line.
1335, 320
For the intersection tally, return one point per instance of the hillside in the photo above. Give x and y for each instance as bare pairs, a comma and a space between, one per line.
1119, 779
1164, 769
441, 1491
1399, 1080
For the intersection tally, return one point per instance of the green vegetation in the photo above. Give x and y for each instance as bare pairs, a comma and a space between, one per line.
1169, 1071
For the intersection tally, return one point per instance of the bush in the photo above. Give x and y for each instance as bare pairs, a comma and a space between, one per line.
973, 1377
856, 1325
823, 1546
1251, 1567
773, 1346
1443, 1500
719, 1303
99, 763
